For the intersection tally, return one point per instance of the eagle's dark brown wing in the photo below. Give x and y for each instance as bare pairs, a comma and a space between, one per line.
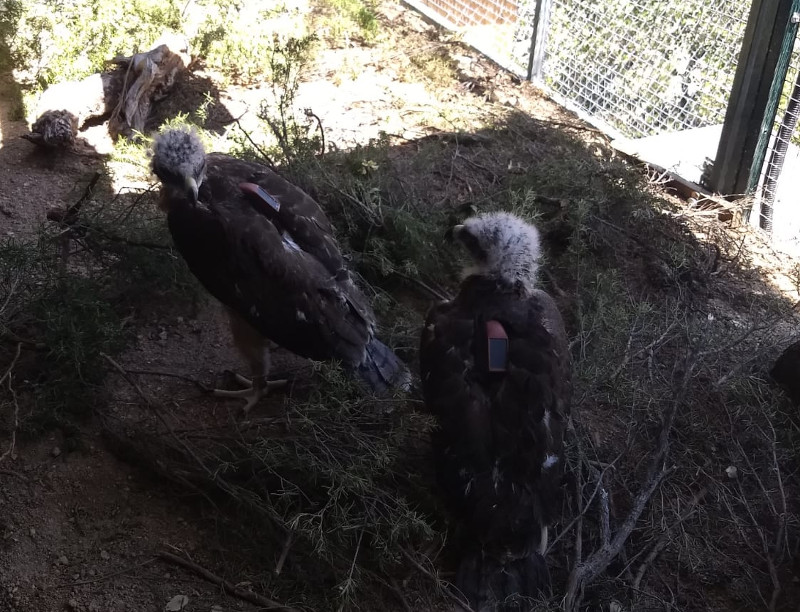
299, 213
284, 291
499, 445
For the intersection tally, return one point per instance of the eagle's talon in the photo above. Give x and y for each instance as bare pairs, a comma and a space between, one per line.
253, 393
243, 380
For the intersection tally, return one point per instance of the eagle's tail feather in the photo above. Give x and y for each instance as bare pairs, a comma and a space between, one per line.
382, 370
489, 584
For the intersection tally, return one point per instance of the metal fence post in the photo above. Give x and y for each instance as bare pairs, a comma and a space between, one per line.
762, 66
541, 20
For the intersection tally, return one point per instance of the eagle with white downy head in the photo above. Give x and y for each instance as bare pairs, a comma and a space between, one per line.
265, 249
496, 373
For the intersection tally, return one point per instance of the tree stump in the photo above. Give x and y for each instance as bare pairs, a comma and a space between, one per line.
125, 93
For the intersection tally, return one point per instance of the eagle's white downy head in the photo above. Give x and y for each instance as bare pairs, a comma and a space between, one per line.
179, 160
503, 246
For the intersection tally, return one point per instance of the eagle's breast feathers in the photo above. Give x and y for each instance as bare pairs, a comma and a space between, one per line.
499, 444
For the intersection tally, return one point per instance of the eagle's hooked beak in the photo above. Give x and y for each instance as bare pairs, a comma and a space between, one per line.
191, 188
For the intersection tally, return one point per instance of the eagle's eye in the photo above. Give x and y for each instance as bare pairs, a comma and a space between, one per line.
472, 244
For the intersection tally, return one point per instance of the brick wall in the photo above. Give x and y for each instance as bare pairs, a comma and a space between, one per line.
475, 12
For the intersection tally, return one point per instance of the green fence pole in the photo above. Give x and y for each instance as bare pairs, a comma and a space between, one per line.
752, 104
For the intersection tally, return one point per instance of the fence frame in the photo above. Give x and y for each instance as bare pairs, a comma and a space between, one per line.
760, 74
541, 23
763, 63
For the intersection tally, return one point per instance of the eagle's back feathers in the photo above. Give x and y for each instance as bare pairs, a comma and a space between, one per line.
300, 215
499, 446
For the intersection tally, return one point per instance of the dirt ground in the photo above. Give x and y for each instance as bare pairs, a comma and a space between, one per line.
79, 527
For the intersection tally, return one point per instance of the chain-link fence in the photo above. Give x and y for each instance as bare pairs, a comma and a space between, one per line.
645, 67
491, 26
641, 67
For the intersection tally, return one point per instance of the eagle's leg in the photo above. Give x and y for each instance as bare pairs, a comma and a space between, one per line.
253, 347
543, 541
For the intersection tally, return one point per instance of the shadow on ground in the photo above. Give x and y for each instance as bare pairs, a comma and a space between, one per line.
649, 289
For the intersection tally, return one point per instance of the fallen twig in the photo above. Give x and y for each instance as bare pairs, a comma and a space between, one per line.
662, 542
226, 586
464, 605
106, 576
14, 474
7, 376
194, 381
439, 295
284, 553
586, 571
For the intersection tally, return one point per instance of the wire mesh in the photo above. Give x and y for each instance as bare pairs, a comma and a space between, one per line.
491, 26
646, 67
641, 67
780, 175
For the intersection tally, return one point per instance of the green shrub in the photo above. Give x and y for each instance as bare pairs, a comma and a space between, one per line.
47, 41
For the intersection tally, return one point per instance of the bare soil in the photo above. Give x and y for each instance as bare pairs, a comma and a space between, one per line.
79, 526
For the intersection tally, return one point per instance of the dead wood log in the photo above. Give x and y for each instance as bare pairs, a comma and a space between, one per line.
125, 92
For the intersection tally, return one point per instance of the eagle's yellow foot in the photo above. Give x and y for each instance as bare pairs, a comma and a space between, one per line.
253, 393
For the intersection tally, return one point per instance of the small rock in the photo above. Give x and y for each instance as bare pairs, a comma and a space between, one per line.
104, 555
177, 603
162, 335
76, 576
63, 560
732, 472
55, 452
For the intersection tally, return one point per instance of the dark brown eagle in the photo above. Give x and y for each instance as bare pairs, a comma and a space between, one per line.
496, 373
264, 248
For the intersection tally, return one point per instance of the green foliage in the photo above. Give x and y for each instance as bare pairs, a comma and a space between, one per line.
296, 136
68, 302
343, 19
645, 67
437, 67
56, 40
342, 481
235, 37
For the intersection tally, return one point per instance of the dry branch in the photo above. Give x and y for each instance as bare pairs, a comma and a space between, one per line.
663, 541
456, 597
121, 572
7, 377
226, 586
587, 570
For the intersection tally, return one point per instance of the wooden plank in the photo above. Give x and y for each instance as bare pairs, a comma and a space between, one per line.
778, 83
541, 22
750, 95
